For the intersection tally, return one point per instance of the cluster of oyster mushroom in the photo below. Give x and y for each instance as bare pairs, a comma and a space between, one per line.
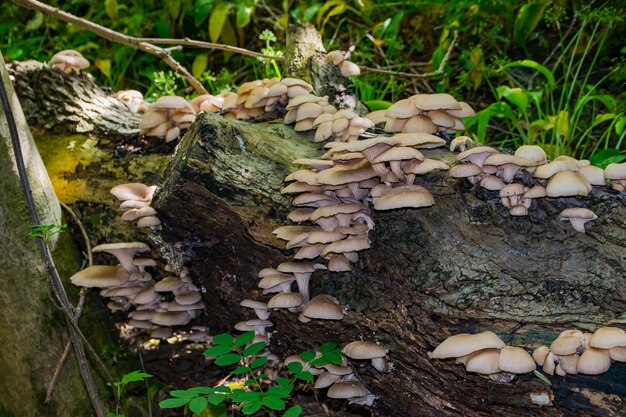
485, 353
210, 103
69, 61
305, 109
133, 99
136, 198
424, 113
260, 97
508, 174
340, 58
130, 286
616, 173
167, 117
342, 126
575, 352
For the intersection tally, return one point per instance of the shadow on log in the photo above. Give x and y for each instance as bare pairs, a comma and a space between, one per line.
463, 265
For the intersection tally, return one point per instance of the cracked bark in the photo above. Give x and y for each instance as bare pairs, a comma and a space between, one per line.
462, 266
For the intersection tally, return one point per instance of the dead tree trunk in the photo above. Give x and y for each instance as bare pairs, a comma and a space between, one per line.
461, 266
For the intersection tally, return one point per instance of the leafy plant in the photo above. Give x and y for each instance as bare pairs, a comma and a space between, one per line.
270, 50
46, 231
135, 376
256, 392
566, 113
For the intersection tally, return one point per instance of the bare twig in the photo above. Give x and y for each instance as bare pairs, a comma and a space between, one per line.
79, 307
144, 44
438, 71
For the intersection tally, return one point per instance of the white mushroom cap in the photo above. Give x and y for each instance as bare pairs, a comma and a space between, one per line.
594, 361
100, 276
540, 354
133, 191
608, 338
124, 252
69, 57
464, 344
484, 361
577, 217
171, 318
516, 360
346, 390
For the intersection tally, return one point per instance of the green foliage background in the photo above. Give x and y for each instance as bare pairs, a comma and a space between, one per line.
402, 35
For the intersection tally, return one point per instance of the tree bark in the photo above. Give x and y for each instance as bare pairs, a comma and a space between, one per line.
59, 102
32, 330
463, 265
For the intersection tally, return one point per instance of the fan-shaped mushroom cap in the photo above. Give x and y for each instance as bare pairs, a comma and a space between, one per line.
326, 379
618, 353
147, 296
286, 300
568, 184
594, 361
532, 153
464, 344
466, 110
403, 198
323, 307
124, 252
567, 344
484, 361
188, 298
608, 338
476, 155
260, 308
492, 183
349, 69
615, 171
100, 276
334, 57
133, 191
594, 175
438, 101
419, 123
577, 217
540, 354
69, 58
516, 360
364, 350
168, 284
402, 109
171, 318
346, 390
149, 221
464, 170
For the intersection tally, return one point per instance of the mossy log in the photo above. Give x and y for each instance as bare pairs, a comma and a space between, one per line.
463, 265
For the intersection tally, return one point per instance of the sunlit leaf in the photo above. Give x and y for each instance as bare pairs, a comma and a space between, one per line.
104, 65
229, 37
516, 96
112, 9
199, 64
528, 17
243, 14
607, 156
374, 105
34, 22
217, 20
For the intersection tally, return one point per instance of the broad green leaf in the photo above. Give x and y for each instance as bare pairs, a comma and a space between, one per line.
603, 117
253, 349
202, 390
243, 14
217, 19
560, 123
199, 64
244, 339
223, 339
174, 402
251, 407
283, 382
240, 370
218, 350
249, 382
305, 376
184, 393
228, 359
162, 28
201, 10
607, 156
240, 395
272, 402
216, 399
528, 17
223, 389
516, 96
173, 7
328, 347
34, 22
197, 405
112, 9
294, 367
229, 37
477, 58
620, 125
280, 392
437, 56
294, 411
527, 63
333, 357
104, 65
374, 105
258, 362
308, 356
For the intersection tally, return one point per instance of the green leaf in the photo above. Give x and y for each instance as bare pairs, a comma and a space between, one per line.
293, 411
528, 17
240, 395
607, 156
516, 96
197, 405
308, 356
294, 367
217, 20
249, 382
184, 393
228, 359
243, 14
305, 376
620, 125
240, 370
229, 37
244, 339
199, 64
528, 63
374, 105
202, 390
112, 9
174, 402
258, 362
216, 399
253, 349
223, 339
134, 377
201, 10
328, 347
333, 357
218, 350
251, 407
273, 402
225, 390
280, 392
283, 382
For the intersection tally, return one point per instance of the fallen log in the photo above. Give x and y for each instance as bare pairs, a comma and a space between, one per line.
463, 265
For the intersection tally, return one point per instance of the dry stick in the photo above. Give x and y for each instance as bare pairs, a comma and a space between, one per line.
438, 71
210, 45
79, 308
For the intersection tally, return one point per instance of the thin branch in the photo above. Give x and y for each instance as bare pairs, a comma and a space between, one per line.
210, 45
438, 71
143, 44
